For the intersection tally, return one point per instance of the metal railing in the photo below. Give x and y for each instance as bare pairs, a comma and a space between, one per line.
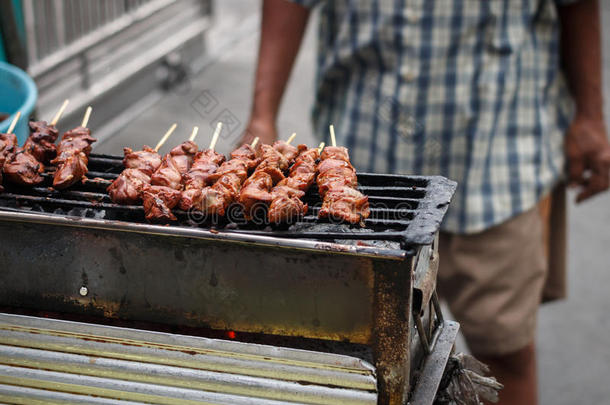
86, 50
59, 29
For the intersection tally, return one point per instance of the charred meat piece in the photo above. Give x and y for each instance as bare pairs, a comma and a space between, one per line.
23, 168
287, 150
168, 174
216, 199
206, 163
335, 169
183, 155
256, 192
127, 188
72, 157
70, 170
346, 203
174, 165
247, 154
8, 146
286, 204
139, 166
158, 203
227, 182
146, 160
337, 183
271, 157
41, 142
168, 177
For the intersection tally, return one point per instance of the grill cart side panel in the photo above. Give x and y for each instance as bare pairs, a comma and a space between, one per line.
218, 284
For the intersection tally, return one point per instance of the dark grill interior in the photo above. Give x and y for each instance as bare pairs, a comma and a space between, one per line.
404, 209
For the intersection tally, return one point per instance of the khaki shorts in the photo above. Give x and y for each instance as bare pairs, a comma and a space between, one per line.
494, 281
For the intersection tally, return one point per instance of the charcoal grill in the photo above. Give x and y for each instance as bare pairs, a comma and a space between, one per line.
368, 289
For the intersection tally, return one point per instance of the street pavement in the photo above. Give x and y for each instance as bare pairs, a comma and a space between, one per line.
574, 335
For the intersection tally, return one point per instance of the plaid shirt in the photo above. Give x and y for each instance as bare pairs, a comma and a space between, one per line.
468, 89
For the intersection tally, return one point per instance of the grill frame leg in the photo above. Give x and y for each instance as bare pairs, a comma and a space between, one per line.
391, 332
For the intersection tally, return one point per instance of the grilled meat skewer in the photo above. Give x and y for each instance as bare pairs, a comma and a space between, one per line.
18, 164
24, 165
127, 188
139, 166
175, 164
158, 202
205, 164
227, 181
72, 157
21, 167
286, 201
147, 160
158, 199
41, 142
257, 188
8, 145
337, 184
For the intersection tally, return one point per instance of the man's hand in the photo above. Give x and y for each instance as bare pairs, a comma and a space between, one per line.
282, 30
588, 153
264, 129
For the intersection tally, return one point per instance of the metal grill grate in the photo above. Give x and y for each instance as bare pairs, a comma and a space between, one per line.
404, 209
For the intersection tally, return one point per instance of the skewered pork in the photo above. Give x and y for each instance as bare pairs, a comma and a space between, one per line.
72, 157
41, 142
175, 164
140, 165
158, 200
206, 162
147, 160
256, 191
19, 166
22, 168
127, 188
286, 201
337, 184
227, 182
8, 144
246, 153
158, 203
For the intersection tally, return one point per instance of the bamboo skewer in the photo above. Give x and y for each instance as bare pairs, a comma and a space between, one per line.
86, 117
216, 135
321, 147
333, 140
254, 142
60, 112
194, 134
294, 135
165, 137
14, 122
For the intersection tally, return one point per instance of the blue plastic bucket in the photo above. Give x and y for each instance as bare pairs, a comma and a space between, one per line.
17, 93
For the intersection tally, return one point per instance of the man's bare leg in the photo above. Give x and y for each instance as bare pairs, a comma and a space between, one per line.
517, 371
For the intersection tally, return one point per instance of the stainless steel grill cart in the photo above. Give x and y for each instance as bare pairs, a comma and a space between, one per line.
366, 293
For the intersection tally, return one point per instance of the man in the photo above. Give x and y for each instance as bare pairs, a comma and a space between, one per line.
477, 91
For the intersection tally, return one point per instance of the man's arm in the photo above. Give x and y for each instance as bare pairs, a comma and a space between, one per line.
283, 26
586, 144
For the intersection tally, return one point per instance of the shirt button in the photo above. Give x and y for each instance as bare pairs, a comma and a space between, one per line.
411, 15
408, 73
